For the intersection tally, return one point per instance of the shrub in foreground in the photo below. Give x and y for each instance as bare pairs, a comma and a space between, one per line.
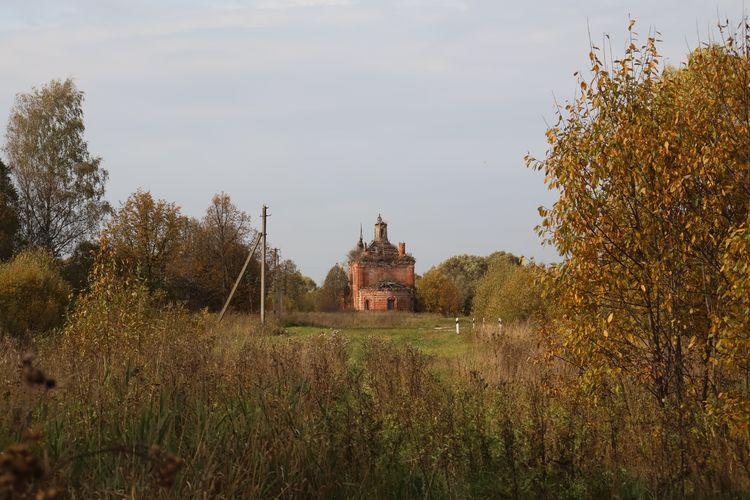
33, 294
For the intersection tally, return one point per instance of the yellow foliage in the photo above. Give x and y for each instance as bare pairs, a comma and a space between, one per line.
33, 295
652, 173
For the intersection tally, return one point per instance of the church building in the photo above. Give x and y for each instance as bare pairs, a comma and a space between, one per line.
381, 276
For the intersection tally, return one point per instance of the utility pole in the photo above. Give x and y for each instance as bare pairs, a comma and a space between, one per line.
239, 277
261, 237
278, 281
263, 268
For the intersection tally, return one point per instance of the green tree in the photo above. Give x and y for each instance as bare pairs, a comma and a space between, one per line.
60, 185
501, 257
296, 290
8, 214
438, 293
652, 173
33, 294
508, 291
334, 295
467, 270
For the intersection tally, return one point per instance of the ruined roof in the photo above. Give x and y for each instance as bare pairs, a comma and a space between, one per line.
379, 249
386, 285
379, 252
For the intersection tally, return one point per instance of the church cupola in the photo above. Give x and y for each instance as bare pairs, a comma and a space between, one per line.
381, 230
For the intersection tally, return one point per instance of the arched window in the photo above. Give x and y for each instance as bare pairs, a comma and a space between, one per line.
391, 304
367, 305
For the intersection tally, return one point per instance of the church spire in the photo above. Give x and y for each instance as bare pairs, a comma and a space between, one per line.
360, 243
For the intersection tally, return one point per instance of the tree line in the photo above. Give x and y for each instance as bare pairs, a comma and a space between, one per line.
55, 225
500, 285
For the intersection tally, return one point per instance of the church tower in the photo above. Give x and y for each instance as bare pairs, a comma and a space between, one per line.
381, 230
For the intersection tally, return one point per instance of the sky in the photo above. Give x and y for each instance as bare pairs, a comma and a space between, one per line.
334, 111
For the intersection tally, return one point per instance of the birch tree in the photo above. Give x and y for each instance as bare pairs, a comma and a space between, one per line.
60, 184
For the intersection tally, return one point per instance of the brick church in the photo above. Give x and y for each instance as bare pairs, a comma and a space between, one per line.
381, 276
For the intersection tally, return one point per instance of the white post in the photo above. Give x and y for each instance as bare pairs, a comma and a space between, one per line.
472, 323
500, 325
458, 328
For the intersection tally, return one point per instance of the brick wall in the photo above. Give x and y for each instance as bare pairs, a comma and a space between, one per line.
356, 278
399, 273
367, 274
378, 299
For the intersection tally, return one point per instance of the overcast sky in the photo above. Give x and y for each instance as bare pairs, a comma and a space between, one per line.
332, 111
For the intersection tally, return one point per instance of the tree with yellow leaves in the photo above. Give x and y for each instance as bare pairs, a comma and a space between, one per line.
144, 235
652, 173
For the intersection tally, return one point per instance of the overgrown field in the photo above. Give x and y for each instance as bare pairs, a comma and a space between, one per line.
151, 401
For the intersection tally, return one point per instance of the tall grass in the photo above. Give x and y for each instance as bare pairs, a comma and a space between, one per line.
192, 409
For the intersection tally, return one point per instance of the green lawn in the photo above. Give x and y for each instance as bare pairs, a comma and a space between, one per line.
435, 336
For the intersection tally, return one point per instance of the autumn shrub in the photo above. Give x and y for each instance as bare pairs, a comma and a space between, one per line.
119, 319
33, 294
734, 327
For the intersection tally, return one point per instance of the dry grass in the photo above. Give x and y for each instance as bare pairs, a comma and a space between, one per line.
195, 410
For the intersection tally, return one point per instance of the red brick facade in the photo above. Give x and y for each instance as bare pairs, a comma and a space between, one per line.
381, 276
386, 300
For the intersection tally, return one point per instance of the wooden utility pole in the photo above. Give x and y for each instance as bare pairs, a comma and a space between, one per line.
263, 268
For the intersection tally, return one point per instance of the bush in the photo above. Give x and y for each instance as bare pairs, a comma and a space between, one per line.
507, 291
33, 294
119, 316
